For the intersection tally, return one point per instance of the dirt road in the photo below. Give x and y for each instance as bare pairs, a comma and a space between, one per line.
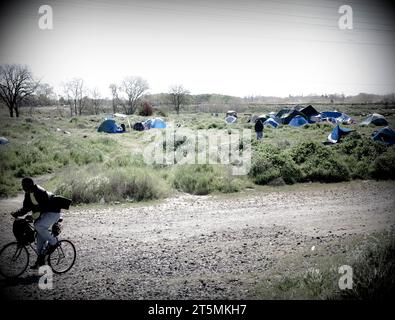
205, 247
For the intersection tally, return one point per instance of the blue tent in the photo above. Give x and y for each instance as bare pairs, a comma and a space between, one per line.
331, 114
298, 121
386, 135
270, 122
337, 133
109, 126
158, 123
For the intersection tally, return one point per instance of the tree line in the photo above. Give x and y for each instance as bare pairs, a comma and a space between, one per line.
19, 87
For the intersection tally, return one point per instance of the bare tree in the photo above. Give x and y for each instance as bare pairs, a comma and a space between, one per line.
96, 100
134, 87
16, 84
75, 90
67, 96
115, 98
178, 96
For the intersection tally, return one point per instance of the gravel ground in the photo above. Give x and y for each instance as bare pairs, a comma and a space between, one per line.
203, 247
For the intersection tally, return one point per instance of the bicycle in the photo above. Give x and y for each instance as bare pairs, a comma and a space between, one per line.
14, 256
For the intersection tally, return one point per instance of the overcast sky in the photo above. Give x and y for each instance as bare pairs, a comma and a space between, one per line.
235, 47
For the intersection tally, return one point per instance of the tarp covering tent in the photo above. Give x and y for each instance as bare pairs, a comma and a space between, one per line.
331, 114
376, 119
3, 140
298, 121
230, 119
386, 135
281, 112
337, 133
270, 123
309, 111
110, 126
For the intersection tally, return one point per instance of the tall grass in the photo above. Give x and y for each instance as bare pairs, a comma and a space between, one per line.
93, 185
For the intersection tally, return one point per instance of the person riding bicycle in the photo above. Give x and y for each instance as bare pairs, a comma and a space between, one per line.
45, 209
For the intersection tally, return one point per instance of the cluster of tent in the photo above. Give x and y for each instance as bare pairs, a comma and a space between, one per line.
110, 125
300, 116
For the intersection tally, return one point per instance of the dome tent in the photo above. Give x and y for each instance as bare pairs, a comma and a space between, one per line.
376, 119
156, 123
270, 123
386, 135
298, 121
110, 126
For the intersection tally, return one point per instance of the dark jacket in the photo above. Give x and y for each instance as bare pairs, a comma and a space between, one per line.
47, 202
258, 125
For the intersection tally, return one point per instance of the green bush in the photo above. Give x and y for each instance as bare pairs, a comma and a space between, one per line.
204, 179
195, 179
269, 163
9, 186
319, 163
383, 166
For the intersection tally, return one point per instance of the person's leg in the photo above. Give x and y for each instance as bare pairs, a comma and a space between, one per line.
40, 240
44, 224
40, 248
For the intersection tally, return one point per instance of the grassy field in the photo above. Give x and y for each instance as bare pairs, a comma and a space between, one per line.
94, 167
371, 260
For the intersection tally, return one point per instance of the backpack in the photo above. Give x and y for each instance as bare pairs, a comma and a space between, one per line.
138, 126
23, 232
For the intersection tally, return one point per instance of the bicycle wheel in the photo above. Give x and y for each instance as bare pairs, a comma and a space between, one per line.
63, 258
14, 260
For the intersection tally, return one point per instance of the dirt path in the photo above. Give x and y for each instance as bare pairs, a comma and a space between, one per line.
205, 247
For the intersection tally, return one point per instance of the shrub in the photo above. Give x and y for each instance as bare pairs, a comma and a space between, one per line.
8, 184
383, 166
319, 163
204, 179
146, 109
195, 179
269, 163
